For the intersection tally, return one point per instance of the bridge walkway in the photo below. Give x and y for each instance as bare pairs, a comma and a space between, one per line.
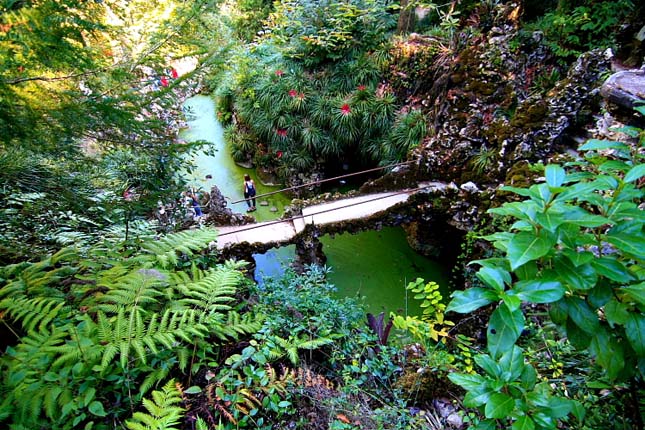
321, 214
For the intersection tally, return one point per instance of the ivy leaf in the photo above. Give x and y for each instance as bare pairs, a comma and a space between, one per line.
525, 247
499, 406
554, 175
635, 173
523, 423
470, 300
635, 331
504, 328
539, 291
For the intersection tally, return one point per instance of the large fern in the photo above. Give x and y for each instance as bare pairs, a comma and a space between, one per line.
110, 327
163, 412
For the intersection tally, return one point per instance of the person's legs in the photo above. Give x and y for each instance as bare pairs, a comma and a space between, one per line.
248, 202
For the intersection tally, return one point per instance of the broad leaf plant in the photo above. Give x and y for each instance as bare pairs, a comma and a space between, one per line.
577, 244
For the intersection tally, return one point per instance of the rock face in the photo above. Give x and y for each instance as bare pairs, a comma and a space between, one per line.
625, 88
217, 212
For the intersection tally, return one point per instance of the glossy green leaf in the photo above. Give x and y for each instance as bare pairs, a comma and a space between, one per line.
504, 328
635, 331
195, 389
578, 410
596, 144
579, 338
525, 247
609, 353
528, 377
467, 381
538, 291
555, 175
499, 406
541, 195
470, 300
550, 220
489, 365
523, 423
527, 271
494, 277
635, 173
582, 315
512, 363
632, 244
600, 294
559, 407
478, 396
612, 268
580, 217
616, 312
96, 408
520, 191
636, 292
583, 277
578, 257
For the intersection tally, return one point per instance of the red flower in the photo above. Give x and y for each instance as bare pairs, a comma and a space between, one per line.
279, 154
281, 132
361, 88
301, 96
345, 109
293, 93
279, 72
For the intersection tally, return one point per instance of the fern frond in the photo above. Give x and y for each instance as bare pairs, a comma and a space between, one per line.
32, 312
153, 379
162, 411
165, 250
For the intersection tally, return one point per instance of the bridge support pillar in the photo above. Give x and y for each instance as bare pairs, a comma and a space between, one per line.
309, 251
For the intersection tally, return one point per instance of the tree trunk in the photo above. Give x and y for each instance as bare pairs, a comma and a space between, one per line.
407, 18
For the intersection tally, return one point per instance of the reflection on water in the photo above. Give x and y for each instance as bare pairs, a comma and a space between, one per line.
375, 265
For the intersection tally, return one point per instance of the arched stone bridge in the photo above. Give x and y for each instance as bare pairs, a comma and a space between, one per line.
365, 212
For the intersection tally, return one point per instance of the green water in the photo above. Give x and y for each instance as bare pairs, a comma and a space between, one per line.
228, 176
373, 265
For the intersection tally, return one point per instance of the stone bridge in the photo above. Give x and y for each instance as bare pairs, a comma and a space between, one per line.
364, 212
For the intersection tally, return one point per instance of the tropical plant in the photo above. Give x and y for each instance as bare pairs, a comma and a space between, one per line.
576, 244
101, 331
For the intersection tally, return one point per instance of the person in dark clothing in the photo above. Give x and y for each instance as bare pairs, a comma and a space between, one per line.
249, 193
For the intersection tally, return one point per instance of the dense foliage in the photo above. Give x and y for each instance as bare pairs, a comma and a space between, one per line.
80, 121
307, 93
576, 243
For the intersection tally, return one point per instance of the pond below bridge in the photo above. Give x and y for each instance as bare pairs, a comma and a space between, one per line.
374, 265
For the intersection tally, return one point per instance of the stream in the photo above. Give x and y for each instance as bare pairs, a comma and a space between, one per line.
373, 265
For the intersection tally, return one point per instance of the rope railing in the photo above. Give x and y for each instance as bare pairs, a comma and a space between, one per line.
295, 187
291, 219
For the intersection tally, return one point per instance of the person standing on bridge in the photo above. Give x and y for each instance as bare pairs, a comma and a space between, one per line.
249, 193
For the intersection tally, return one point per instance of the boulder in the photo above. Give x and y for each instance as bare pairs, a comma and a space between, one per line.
625, 88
